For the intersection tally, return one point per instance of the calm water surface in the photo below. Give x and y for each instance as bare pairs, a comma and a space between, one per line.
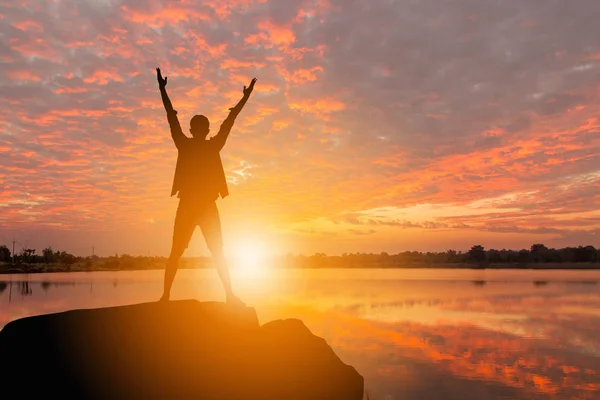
413, 334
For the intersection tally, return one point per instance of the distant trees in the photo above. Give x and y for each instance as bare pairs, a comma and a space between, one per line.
494, 256
48, 255
524, 256
477, 254
4, 254
586, 254
538, 254
26, 255
29, 256
451, 256
65, 258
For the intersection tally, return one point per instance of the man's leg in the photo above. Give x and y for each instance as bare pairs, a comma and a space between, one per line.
182, 233
211, 229
170, 271
222, 270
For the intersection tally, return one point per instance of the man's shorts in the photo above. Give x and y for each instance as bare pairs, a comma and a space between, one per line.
206, 216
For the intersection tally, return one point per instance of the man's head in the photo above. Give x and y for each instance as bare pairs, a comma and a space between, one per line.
199, 126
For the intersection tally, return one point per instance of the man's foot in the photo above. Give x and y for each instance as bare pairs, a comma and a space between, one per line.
164, 299
233, 300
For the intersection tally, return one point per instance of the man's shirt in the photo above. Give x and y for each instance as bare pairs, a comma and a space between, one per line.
199, 173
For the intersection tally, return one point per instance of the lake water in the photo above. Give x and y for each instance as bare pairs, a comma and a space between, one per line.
412, 333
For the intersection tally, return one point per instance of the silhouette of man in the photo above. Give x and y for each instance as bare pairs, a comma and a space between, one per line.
199, 180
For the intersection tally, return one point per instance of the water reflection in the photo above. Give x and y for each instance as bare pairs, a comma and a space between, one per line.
24, 288
411, 334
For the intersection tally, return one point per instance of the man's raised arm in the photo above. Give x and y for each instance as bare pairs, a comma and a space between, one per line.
226, 126
176, 132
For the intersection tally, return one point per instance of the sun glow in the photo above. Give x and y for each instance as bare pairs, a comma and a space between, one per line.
249, 258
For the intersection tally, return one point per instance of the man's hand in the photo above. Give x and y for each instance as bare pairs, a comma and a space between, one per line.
163, 82
248, 90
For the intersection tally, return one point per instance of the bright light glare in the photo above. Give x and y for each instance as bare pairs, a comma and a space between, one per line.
249, 258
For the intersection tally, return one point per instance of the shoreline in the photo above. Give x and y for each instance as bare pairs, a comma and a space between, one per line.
57, 268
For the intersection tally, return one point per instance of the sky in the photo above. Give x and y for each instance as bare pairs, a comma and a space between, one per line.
374, 126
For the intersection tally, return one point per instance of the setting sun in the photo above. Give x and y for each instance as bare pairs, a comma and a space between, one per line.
249, 257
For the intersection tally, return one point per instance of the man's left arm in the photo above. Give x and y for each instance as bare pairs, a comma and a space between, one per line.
221, 137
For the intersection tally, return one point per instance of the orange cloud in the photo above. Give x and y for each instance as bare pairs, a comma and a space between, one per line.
272, 35
69, 90
224, 8
231, 63
29, 25
317, 107
299, 76
22, 75
171, 14
102, 77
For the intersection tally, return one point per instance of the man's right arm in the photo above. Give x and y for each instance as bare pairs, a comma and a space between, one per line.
176, 132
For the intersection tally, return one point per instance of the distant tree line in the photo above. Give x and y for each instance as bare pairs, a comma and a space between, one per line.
28, 260
538, 253
29, 256
477, 256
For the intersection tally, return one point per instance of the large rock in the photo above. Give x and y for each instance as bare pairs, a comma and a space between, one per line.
175, 350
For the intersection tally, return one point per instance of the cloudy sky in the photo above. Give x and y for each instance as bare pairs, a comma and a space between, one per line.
374, 126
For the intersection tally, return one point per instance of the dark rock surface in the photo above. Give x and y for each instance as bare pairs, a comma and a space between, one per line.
175, 350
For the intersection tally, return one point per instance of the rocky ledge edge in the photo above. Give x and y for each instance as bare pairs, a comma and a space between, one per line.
177, 350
